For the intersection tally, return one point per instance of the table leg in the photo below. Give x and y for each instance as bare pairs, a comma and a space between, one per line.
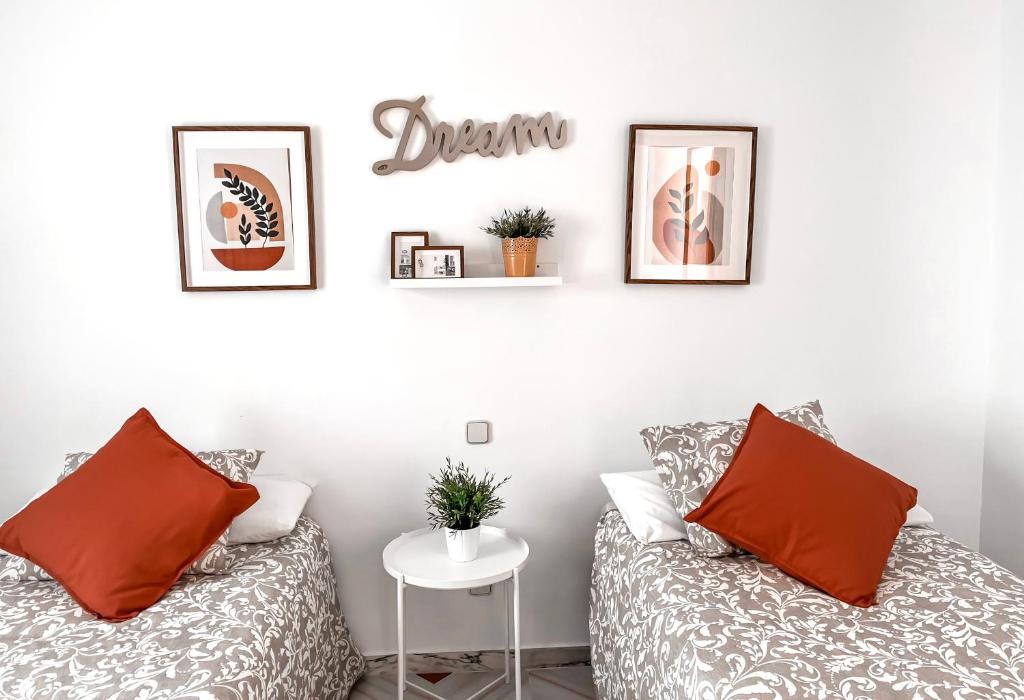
401, 637
508, 626
515, 620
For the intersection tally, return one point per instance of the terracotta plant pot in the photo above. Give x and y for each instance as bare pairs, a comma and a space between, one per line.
248, 258
520, 255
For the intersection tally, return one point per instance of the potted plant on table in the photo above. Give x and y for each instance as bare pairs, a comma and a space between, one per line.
519, 232
457, 501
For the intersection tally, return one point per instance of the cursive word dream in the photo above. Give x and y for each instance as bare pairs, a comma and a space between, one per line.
451, 142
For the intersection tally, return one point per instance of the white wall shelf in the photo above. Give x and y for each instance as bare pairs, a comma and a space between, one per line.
486, 275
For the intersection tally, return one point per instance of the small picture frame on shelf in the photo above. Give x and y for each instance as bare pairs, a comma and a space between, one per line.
437, 262
402, 243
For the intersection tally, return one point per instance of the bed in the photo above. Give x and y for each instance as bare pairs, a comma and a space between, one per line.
666, 623
270, 628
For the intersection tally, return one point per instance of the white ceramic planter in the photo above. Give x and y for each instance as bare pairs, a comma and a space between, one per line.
462, 544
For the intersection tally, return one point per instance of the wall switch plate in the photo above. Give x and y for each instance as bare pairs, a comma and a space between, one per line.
478, 432
482, 590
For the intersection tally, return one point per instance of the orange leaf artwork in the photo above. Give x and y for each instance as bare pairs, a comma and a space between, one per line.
690, 204
688, 212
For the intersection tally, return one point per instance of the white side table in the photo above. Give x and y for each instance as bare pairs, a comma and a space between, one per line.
420, 558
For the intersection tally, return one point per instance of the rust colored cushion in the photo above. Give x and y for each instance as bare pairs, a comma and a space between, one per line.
817, 512
123, 528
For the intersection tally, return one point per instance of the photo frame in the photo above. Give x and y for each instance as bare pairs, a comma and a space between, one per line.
438, 261
690, 204
245, 208
402, 243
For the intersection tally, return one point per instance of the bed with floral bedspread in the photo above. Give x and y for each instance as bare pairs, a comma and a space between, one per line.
666, 623
271, 628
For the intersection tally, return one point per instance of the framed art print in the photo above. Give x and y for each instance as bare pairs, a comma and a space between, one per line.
690, 204
402, 243
437, 261
245, 208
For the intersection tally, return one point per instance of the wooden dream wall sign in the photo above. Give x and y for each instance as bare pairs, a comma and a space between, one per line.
450, 142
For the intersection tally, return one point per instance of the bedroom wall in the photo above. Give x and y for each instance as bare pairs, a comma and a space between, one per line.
1003, 493
872, 235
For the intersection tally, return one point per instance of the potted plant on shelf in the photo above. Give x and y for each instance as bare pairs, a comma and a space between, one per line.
519, 232
457, 501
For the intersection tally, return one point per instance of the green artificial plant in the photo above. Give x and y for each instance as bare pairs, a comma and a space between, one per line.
523, 223
459, 500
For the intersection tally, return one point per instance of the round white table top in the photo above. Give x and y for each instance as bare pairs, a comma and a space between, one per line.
422, 558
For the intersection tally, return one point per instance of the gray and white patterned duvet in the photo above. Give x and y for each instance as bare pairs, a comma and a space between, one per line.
666, 624
270, 628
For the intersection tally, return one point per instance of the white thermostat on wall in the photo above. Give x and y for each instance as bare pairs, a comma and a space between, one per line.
478, 432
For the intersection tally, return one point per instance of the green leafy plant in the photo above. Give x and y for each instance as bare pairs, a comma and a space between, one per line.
523, 223
266, 217
459, 500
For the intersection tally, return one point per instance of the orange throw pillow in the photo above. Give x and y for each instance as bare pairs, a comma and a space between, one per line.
121, 530
817, 512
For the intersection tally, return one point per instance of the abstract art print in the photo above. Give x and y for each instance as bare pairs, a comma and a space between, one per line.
245, 208
690, 204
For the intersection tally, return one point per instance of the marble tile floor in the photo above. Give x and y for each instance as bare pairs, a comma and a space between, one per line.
564, 683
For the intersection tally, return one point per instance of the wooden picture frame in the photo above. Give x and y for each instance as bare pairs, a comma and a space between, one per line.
418, 263
690, 204
396, 260
217, 250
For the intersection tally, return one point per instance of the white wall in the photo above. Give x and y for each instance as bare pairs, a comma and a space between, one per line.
1002, 522
872, 236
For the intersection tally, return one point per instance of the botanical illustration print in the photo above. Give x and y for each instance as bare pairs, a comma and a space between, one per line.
666, 624
691, 200
247, 198
691, 458
237, 465
270, 629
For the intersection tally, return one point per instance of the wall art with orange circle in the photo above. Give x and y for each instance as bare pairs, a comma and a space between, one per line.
690, 204
245, 208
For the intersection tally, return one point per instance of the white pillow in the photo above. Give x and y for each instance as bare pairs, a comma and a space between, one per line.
918, 517
282, 500
644, 505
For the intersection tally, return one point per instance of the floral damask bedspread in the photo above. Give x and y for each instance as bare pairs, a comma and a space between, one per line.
666, 623
271, 628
